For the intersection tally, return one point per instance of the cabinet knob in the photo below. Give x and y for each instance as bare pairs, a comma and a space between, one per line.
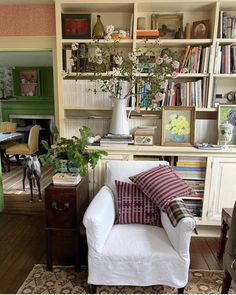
66, 206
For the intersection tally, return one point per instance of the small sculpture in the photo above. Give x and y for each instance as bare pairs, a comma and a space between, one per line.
225, 133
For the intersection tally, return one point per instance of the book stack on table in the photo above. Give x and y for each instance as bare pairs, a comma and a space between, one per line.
66, 179
114, 140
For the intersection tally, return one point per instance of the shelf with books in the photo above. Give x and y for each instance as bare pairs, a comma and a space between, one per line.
92, 42
173, 42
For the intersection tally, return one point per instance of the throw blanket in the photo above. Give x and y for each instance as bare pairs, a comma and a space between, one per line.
176, 211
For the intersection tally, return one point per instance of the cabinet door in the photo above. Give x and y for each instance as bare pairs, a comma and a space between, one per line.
222, 188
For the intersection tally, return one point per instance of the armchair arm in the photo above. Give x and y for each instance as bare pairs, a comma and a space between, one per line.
180, 235
99, 218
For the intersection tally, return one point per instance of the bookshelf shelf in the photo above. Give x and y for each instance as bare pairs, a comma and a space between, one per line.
80, 107
173, 42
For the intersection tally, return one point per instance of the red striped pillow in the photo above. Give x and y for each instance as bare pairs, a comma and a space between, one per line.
134, 206
161, 184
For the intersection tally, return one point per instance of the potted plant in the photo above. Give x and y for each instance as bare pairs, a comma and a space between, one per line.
73, 150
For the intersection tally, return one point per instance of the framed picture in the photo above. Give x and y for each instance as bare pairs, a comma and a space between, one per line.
29, 85
227, 113
200, 29
178, 126
167, 24
76, 26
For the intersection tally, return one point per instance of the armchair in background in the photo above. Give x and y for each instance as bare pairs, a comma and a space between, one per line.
29, 148
229, 257
134, 254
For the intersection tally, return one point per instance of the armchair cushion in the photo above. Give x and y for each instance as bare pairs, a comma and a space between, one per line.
161, 185
134, 206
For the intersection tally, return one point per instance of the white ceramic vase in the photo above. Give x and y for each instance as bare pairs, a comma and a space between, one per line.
119, 121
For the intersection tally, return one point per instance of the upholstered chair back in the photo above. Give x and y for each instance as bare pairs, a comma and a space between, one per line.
122, 170
33, 140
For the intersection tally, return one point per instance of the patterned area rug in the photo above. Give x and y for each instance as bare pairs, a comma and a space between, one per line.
12, 181
64, 280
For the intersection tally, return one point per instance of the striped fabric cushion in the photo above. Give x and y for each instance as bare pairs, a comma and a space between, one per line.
161, 185
134, 206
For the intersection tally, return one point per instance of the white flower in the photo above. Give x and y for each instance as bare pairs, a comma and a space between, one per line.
63, 74
159, 60
163, 85
99, 60
110, 29
133, 58
159, 96
98, 52
122, 34
175, 64
167, 59
107, 37
72, 61
174, 75
172, 92
75, 46
118, 60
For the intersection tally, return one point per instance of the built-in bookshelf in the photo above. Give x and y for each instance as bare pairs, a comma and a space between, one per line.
203, 81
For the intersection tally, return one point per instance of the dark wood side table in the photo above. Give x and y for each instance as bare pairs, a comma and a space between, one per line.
64, 209
226, 217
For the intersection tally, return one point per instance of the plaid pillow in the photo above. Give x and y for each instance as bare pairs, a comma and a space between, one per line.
134, 206
161, 185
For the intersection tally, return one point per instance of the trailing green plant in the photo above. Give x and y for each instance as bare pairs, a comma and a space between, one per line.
74, 150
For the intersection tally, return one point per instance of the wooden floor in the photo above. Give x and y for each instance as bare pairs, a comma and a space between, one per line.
22, 244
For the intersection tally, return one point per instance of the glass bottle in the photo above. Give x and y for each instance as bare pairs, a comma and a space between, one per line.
98, 29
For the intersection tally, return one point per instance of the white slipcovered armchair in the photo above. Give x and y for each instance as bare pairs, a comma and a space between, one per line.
134, 254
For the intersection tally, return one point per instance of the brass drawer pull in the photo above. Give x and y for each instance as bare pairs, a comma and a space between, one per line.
66, 206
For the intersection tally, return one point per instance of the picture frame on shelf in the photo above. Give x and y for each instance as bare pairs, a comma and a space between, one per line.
29, 82
76, 26
227, 113
178, 126
200, 29
167, 24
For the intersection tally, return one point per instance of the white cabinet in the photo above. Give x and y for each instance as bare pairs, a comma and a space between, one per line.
222, 192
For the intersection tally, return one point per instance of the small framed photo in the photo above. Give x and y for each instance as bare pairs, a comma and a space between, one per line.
167, 24
76, 26
178, 126
29, 83
227, 113
200, 29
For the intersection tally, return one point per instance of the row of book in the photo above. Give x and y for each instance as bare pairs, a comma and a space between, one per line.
68, 179
112, 140
227, 24
225, 59
193, 170
195, 60
192, 93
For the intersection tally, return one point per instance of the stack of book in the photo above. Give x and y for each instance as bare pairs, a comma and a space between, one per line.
190, 168
147, 34
115, 140
66, 179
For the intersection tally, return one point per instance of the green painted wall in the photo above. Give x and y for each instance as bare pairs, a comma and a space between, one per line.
28, 105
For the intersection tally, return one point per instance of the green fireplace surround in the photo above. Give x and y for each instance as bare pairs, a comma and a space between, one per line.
42, 104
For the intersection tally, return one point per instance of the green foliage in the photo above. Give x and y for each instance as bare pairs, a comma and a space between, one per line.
74, 150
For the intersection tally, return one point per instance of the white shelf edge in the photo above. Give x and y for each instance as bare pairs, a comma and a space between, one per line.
174, 41
226, 40
224, 75
94, 42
